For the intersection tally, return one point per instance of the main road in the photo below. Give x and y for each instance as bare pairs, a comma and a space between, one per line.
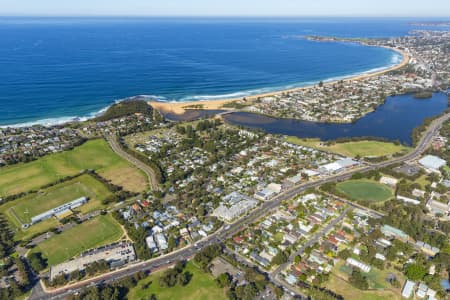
228, 231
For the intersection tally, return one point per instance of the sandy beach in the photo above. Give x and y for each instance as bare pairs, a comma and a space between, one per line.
181, 107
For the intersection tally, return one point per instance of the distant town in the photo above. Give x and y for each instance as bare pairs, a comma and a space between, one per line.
424, 69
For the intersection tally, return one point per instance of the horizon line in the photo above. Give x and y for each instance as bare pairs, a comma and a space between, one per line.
214, 16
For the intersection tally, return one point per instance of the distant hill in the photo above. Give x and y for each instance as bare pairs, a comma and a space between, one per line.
125, 108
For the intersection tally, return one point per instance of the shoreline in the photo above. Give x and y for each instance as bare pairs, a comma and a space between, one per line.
179, 108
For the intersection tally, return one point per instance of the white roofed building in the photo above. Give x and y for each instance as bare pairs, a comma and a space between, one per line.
151, 243
408, 200
408, 289
357, 264
432, 163
338, 165
389, 181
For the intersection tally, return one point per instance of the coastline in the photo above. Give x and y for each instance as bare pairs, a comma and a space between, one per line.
179, 108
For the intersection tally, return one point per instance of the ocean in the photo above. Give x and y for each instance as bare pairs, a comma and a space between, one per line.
54, 69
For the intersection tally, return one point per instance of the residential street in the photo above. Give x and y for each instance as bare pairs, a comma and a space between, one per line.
221, 235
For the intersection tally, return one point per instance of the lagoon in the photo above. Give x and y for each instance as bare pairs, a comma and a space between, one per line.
394, 121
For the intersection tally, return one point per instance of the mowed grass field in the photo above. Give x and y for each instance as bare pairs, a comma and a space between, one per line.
201, 287
353, 149
380, 288
365, 190
346, 290
33, 204
94, 154
94, 233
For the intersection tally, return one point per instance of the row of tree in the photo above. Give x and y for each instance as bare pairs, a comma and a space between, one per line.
174, 276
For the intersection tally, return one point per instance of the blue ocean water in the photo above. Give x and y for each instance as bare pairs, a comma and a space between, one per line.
53, 69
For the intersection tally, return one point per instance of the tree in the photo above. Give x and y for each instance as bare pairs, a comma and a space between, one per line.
280, 258
223, 280
37, 262
175, 276
6, 238
357, 279
415, 272
184, 278
204, 257
378, 263
344, 254
246, 292
278, 292
172, 243
75, 275
322, 294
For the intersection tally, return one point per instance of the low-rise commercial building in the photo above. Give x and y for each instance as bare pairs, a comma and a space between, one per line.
432, 163
233, 206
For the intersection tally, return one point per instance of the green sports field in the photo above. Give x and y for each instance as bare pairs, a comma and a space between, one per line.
365, 190
83, 186
101, 230
352, 149
94, 154
21, 211
201, 287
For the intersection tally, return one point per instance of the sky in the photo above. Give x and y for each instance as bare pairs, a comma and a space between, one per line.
381, 8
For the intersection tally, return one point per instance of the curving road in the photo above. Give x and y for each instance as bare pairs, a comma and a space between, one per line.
228, 231
115, 146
